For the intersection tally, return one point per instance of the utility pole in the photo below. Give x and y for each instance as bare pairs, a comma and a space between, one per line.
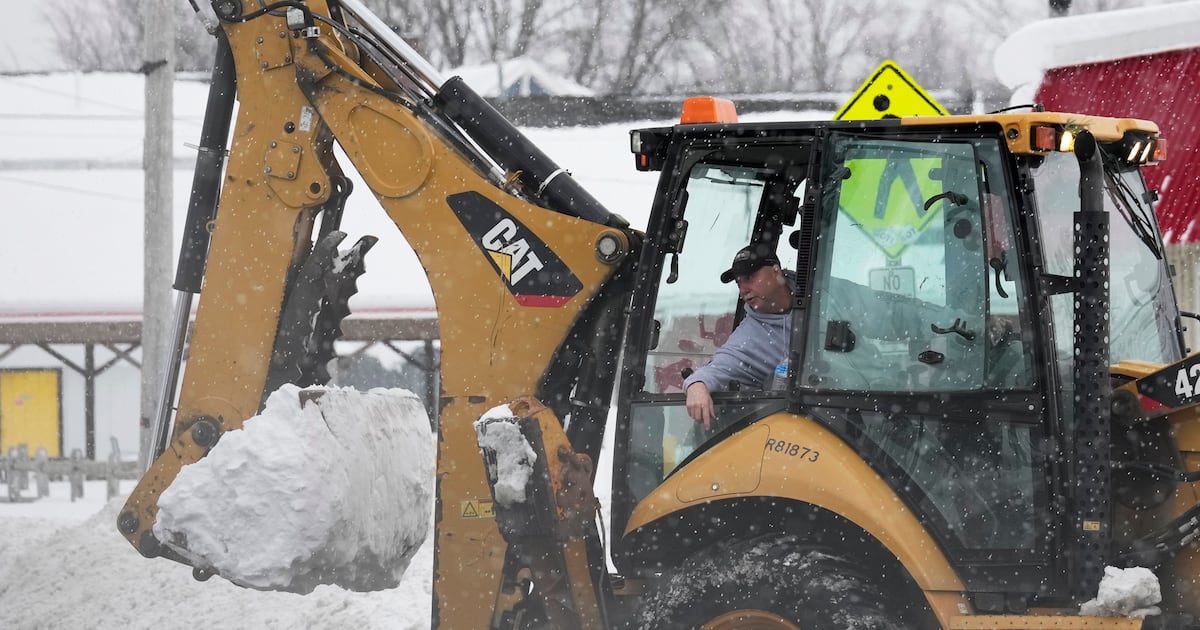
158, 20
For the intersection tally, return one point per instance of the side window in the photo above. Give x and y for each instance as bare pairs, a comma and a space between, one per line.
1140, 330
1009, 356
694, 313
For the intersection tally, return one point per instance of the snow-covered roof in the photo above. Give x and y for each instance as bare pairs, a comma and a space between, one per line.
521, 76
1073, 40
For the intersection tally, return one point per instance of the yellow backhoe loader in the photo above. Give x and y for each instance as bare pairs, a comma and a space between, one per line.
987, 401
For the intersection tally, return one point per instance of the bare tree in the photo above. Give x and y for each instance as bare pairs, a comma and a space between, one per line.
89, 39
103, 35
570, 36
588, 40
452, 21
925, 43
836, 33
643, 46
410, 19
439, 29
653, 41
195, 47
509, 27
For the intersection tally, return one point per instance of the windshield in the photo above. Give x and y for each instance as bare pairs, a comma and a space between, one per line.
1142, 306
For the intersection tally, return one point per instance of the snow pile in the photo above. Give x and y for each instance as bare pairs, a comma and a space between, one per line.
336, 492
1129, 592
508, 455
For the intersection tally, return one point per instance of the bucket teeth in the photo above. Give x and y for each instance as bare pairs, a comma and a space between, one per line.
311, 320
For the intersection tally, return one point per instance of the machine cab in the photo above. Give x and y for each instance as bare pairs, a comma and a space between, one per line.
932, 315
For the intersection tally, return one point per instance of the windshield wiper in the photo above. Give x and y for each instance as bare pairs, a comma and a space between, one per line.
1131, 208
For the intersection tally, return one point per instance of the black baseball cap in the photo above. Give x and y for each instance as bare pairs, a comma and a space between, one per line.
748, 260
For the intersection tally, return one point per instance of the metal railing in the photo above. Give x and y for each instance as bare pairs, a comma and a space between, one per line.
20, 472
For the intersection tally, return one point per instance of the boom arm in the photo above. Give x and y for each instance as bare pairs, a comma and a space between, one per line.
514, 250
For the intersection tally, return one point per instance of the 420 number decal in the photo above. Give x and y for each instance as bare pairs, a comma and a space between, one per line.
1173, 386
1187, 381
792, 449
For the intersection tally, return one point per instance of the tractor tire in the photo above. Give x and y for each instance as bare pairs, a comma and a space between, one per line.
773, 581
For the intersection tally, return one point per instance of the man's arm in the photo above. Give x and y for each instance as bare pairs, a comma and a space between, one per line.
729, 363
700, 404
732, 362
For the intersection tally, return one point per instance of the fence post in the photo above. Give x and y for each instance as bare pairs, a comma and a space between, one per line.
76, 475
112, 470
23, 473
41, 475
10, 473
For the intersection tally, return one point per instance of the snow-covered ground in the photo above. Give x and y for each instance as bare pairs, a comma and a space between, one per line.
264, 494
297, 493
64, 565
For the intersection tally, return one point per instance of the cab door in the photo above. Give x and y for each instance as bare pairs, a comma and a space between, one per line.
920, 349
725, 200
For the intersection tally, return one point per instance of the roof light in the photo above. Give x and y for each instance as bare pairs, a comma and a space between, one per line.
1134, 149
1044, 138
1160, 150
1066, 142
648, 148
1146, 152
707, 109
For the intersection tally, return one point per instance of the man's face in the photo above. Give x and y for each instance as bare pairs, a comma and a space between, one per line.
765, 290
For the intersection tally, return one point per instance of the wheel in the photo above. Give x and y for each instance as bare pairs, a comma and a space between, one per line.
770, 582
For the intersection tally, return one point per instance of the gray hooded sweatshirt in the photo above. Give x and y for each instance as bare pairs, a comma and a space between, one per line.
749, 356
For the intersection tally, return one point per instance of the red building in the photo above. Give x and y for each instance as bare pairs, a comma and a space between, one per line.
1137, 63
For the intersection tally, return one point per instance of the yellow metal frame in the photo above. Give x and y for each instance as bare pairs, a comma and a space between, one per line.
838, 480
1017, 127
494, 349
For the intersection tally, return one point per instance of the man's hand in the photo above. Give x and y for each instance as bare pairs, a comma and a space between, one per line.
700, 404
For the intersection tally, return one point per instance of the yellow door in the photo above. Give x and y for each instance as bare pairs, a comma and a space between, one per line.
30, 410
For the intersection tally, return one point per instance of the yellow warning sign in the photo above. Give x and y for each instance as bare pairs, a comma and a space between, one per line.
477, 508
885, 196
889, 93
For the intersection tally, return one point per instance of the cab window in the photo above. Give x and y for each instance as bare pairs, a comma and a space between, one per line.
914, 290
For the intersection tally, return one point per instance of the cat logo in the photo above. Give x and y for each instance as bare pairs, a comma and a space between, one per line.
506, 249
532, 272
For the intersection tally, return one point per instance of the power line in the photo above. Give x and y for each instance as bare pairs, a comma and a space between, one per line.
128, 117
90, 192
75, 97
